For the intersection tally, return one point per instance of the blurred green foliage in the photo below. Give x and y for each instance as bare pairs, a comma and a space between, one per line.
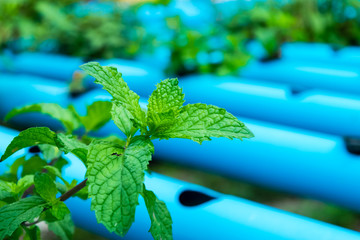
274, 22
112, 29
71, 27
211, 51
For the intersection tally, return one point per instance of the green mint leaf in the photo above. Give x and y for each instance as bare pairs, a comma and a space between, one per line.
114, 139
2, 203
16, 235
24, 183
59, 210
45, 187
69, 143
64, 229
161, 222
60, 163
199, 122
43, 135
33, 165
49, 152
7, 190
61, 187
164, 104
28, 138
32, 233
115, 180
65, 116
14, 168
12, 215
56, 172
113, 82
98, 114
83, 193
121, 117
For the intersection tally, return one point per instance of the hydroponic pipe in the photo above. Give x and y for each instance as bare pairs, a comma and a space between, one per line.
54, 66
308, 52
349, 55
285, 158
305, 74
290, 159
313, 52
17, 90
140, 76
200, 213
321, 52
317, 110
324, 111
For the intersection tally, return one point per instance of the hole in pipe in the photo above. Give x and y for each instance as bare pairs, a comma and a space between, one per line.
190, 198
298, 90
352, 145
34, 149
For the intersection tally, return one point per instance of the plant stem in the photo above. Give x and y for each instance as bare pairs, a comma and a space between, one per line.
28, 191
30, 224
73, 191
62, 198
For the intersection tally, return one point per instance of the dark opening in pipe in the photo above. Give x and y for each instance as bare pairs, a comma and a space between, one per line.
352, 145
34, 149
191, 198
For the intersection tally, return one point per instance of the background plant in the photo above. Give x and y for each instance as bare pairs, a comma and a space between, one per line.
112, 29
71, 27
29, 192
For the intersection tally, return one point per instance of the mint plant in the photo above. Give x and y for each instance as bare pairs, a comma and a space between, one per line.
34, 189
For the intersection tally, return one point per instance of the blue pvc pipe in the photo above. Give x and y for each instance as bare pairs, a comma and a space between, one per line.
305, 74
18, 90
308, 52
141, 77
52, 66
223, 217
198, 14
285, 158
314, 52
317, 110
349, 56
321, 52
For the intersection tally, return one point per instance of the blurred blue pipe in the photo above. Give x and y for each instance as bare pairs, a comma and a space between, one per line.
316, 52
140, 76
18, 90
317, 110
306, 74
199, 213
59, 67
285, 158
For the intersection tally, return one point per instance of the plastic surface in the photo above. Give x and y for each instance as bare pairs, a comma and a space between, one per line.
350, 56
319, 52
306, 74
59, 67
217, 216
307, 51
317, 110
293, 160
18, 90
290, 159
140, 76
